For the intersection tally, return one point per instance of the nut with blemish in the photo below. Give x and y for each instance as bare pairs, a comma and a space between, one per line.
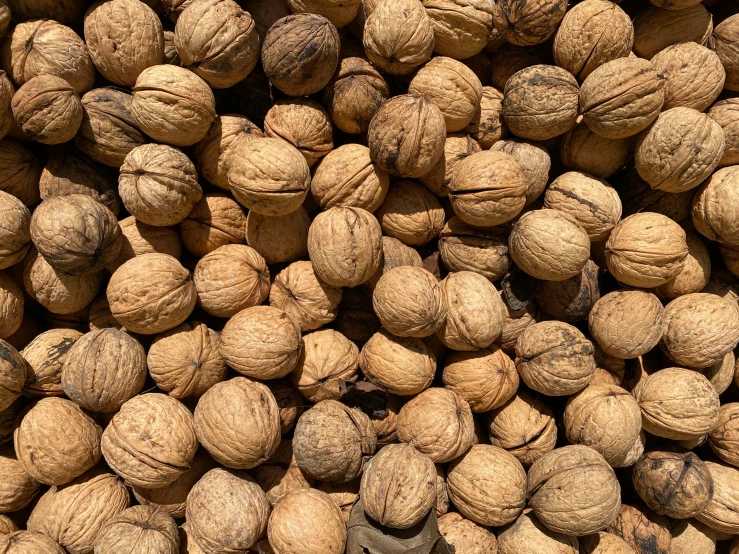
46, 355
279, 239
15, 233
722, 512
18, 487
329, 359
466, 535
217, 219
280, 475
642, 530
488, 126
47, 109
139, 238
527, 23
695, 274
528, 535
570, 300
657, 28
411, 214
714, 203
457, 147
535, 163
139, 530
27, 542
582, 150
303, 123
484, 250
725, 113
462, 28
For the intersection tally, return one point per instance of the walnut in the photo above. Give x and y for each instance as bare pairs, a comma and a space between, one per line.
329, 359
657, 28
724, 112
290, 403
403, 366
464, 247
27, 542
604, 543
158, 533
457, 148
171, 56
572, 299
11, 305
721, 374
338, 13
279, 239
694, 275
280, 475
411, 214
692, 536
15, 233
725, 45
527, 534
139, 238
582, 150
461, 28
488, 125
304, 124
47, 109
722, 512
46, 355
527, 23
642, 529
535, 163
712, 204
18, 487
19, 172
216, 220
508, 60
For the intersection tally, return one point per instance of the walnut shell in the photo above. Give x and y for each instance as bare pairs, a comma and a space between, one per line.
15, 234
329, 359
28, 542
604, 543
216, 220
692, 337
304, 124
721, 374
713, 204
515, 324
466, 535
279, 239
11, 305
300, 53
549, 245
582, 150
47, 109
464, 247
627, 323
554, 358
541, 101
345, 246
151, 293
241, 506
398, 36
637, 196
662, 159
572, 299
439, 423
534, 161
406, 135
139, 238
174, 8
692, 536
527, 23
73, 514
255, 433
488, 126
725, 44
570, 482
457, 148
46, 355
214, 154
403, 366
508, 60
592, 33
643, 530
722, 512
694, 275
280, 475
527, 534
158, 532
262, 342
656, 28
411, 214
344, 494
338, 13
225, 49
524, 426
394, 254
386, 431
64, 175
646, 249
56, 442
18, 487
173, 105
170, 51
108, 131
487, 485
347, 177
724, 112
124, 37
677, 403
722, 438
462, 28
151, 441
332, 442
307, 521
45, 47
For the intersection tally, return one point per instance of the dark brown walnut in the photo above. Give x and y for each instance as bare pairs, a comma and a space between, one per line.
279, 239
303, 123
726, 114
337, 12
254, 433
28, 542
280, 475
75, 234
462, 28
15, 234
673, 482
218, 41
216, 220
151, 441
43, 46
636, 196
411, 214
582, 150
329, 360
535, 163
592, 33
723, 437
662, 158
14, 373
457, 148
508, 60
58, 292
486, 378
47, 109
12, 305
657, 28
484, 250
712, 204
572, 299
406, 135
290, 402
108, 131
332, 442
527, 534
140, 238
643, 530
488, 126
124, 37
67, 12
300, 53
138, 530
695, 273
541, 102
724, 43
151, 293
186, 361
355, 92
46, 355
527, 23
173, 105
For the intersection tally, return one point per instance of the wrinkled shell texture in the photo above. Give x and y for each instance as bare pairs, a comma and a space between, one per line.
725, 46
466, 535
464, 247
534, 161
281, 239
488, 126
462, 28
457, 147
140, 238
486, 378
46, 355
724, 113
713, 202
722, 513
527, 23
304, 124
572, 299
329, 359
140, 529
527, 534
18, 487
582, 150
696, 271
28, 542
280, 475
411, 214
722, 437
214, 221
11, 305
657, 28
15, 234
395, 254
639, 526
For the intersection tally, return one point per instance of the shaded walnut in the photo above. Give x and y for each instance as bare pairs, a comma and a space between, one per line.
280, 475
657, 28
124, 37
722, 512
170, 50
526, 24
466, 535
27, 542
725, 113
173, 105
300, 53
642, 530
488, 126
332, 442
139, 529
527, 534
457, 147
721, 374
218, 41
108, 131
338, 13
486, 379
386, 431
582, 150
344, 494
622, 98
104, 369
627, 323
572, 299
604, 543
329, 359
484, 250
694, 275
535, 163
508, 60
637, 196
438, 423
47, 109
487, 485
694, 75
541, 102
173, 8
255, 433
713, 204
524, 426
231, 278
7, 122
462, 28
692, 536
592, 33
724, 43
279, 239
646, 249
151, 293
139, 238
56, 442
14, 374
46, 355
662, 159
411, 214
269, 176
11, 305
723, 437
357, 320
345, 246
403, 366
677, 403
700, 329
15, 233
303, 123
549, 245
406, 135
216, 220
515, 324
673, 482
186, 361
151, 441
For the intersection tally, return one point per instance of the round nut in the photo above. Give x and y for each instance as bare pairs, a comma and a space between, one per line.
11, 305
15, 230
724, 44
139, 238
486, 379
457, 147
582, 150
604, 543
394, 254
530, 23
19, 172
462, 28
488, 126
713, 203
158, 533
337, 12
534, 161
639, 526
722, 437
657, 28
692, 536
47, 109
280, 475
722, 512
28, 542
411, 214
279, 239
217, 219
464, 247
527, 534
18, 487
465, 535
304, 124
696, 271
724, 112
329, 359
570, 300
46, 355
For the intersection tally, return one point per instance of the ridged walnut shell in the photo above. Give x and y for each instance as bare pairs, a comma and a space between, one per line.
604, 543
637, 196
329, 359
336, 11
255, 430
657, 28
528, 535
466, 535
462, 28
303, 123
723, 438
411, 214
527, 23
15, 233
19, 172
290, 402
642, 529
582, 150
488, 125
46, 355
484, 250
486, 379
47, 109
139, 530
692, 536
508, 60
280, 475
694, 275
28, 542
457, 147
722, 512
726, 114
535, 164
279, 239
11, 305
572, 299
139, 238
18, 487
725, 45
714, 204
217, 219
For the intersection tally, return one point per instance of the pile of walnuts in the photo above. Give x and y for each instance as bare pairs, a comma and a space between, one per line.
369, 276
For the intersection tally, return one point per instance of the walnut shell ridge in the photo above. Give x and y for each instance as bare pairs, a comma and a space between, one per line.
15, 230
45, 355
722, 512
484, 250
217, 219
485, 378
657, 28
527, 23
411, 214
304, 123
462, 28
713, 203
140, 529
329, 359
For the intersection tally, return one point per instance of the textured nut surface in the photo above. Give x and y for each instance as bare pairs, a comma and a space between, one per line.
724, 45
280, 475
722, 512
582, 150
15, 233
337, 12
139, 238
724, 112
604, 543
713, 204
657, 28
694, 75
488, 125
527, 534
484, 250
280, 239
11, 305
692, 536
570, 300
466, 535
642, 529
27, 542
535, 163
19, 172
723, 437
394, 254
411, 214
46, 355
18, 487
462, 28
694, 275
528, 23
140, 529
304, 124
328, 360
457, 147
47, 109
214, 221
